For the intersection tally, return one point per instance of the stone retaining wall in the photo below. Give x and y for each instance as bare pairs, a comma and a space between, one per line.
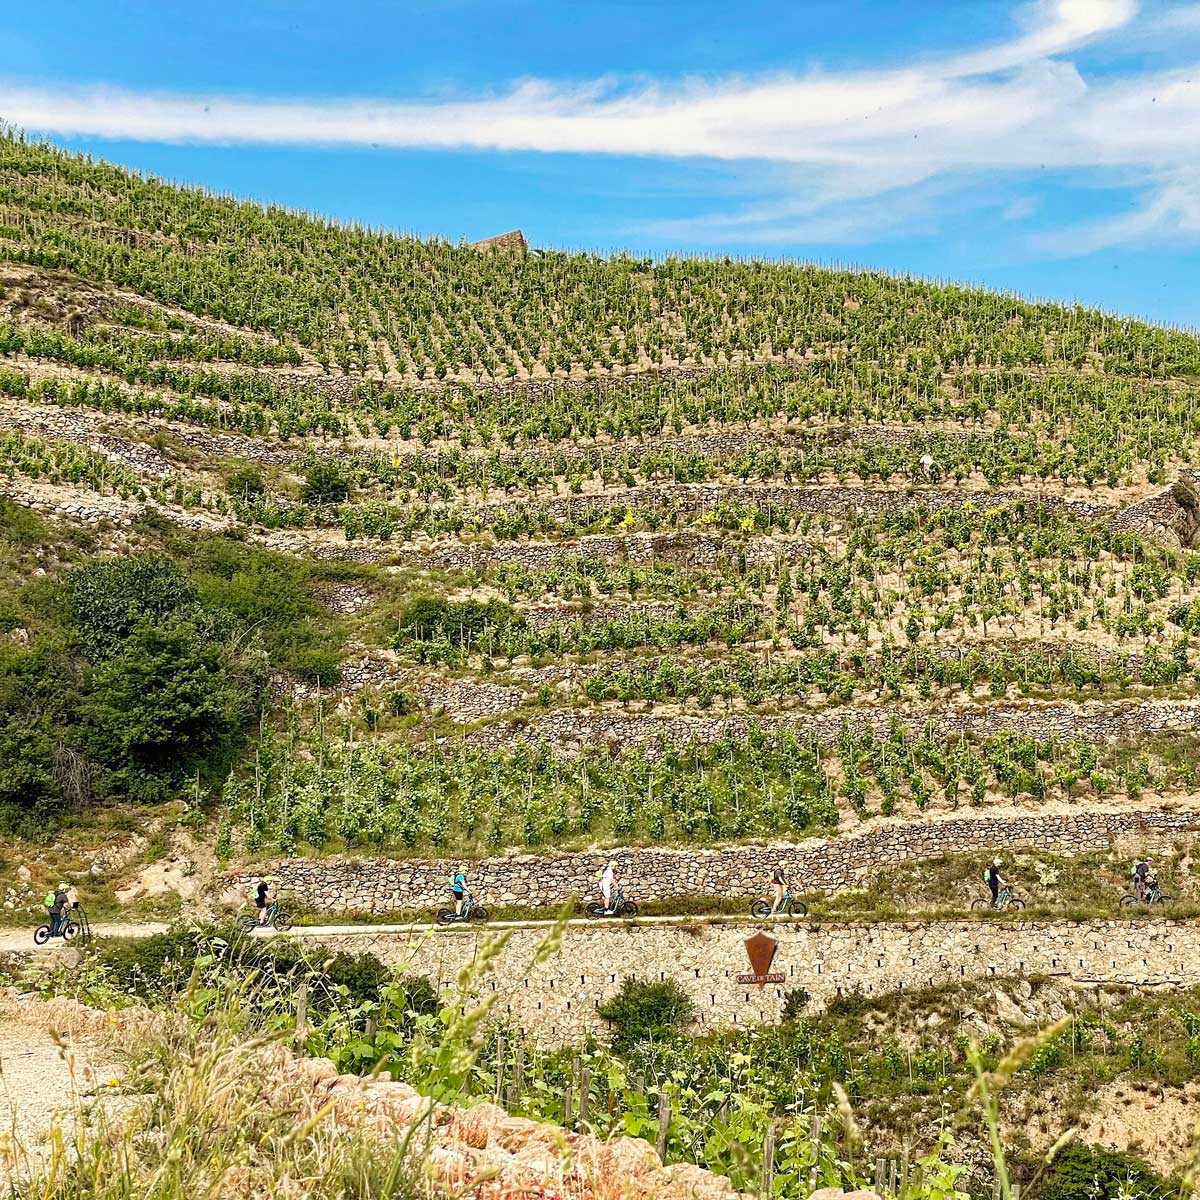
463, 700
96, 508
685, 548
1095, 721
82, 428
692, 498
382, 885
556, 1001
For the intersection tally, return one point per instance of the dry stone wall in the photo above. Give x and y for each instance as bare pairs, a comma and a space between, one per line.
343, 885
692, 498
97, 508
1095, 721
682, 548
1172, 515
556, 1001
82, 428
463, 700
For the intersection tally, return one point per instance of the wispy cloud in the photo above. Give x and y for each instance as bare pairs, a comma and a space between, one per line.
864, 150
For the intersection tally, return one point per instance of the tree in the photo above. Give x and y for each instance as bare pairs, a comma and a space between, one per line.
109, 599
165, 699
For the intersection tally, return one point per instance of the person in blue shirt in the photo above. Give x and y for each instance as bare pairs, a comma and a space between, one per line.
458, 890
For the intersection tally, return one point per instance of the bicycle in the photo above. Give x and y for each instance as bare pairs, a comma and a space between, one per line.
470, 912
73, 925
620, 907
1005, 900
789, 906
1154, 895
276, 918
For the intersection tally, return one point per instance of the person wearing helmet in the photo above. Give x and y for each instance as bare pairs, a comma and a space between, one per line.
608, 885
1141, 872
458, 889
994, 880
59, 908
779, 885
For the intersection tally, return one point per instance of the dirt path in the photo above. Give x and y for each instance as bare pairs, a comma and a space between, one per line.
45, 1080
22, 938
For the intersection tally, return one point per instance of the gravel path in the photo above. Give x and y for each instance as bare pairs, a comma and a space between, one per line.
22, 939
41, 1084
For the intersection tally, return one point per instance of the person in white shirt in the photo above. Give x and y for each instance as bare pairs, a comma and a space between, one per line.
608, 884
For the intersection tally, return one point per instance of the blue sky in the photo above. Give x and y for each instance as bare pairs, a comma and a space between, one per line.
1049, 147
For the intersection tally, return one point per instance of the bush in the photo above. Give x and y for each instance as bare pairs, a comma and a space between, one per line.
401, 702
794, 1003
325, 483
457, 621
362, 975
156, 966
1093, 1173
246, 483
643, 1011
166, 698
111, 598
849, 1004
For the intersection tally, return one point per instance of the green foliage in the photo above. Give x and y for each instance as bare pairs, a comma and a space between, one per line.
110, 598
131, 672
158, 967
325, 482
647, 1011
1081, 1172
795, 1001
166, 699
271, 597
153, 968
455, 622
309, 789
246, 483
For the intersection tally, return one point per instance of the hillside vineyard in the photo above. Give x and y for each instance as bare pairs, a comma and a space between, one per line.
453, 551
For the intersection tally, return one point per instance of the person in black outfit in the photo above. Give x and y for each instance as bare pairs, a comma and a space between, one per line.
260, 900
59, 910
994, 880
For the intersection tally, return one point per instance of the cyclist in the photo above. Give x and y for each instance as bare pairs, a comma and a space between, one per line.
458, 889
608, 885
59, 906
258, 894
1151, 885
1141, 871
779, 887
994, 880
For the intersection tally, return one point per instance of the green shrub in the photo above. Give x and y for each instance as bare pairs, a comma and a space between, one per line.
154, 967
246, 483
458, 622
325, 483
109, 599
362, 975
1093, 1173
166, 698
644, 1010
849, 1004
795, 1001
401, 702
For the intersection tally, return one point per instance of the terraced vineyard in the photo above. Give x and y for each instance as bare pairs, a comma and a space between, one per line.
366, 557
679, 552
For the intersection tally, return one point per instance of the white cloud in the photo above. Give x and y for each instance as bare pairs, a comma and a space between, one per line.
865, 151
